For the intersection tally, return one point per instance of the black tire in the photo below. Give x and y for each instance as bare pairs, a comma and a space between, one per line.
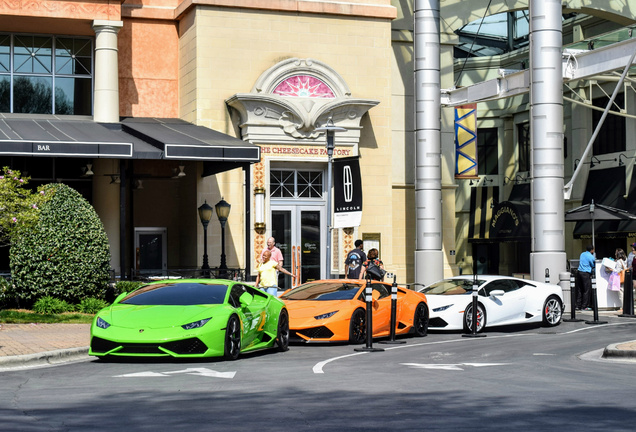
358, 327
468, 318
420, 320
232, 338
552, 311
282, 335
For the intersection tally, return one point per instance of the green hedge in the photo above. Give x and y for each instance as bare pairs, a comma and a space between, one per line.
66, 255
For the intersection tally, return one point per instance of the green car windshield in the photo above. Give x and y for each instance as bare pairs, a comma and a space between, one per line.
177, 294
323, 291
452, 287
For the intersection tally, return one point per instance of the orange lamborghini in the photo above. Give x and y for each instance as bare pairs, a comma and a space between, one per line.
335, 311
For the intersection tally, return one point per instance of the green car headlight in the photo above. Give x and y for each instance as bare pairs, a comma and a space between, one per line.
196, 324
101, 323
326, 315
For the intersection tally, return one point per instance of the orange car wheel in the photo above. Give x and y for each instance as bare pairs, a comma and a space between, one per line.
420, 320
358, 327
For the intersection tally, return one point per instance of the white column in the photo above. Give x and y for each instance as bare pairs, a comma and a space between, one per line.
546, 132
429, 260
106, 75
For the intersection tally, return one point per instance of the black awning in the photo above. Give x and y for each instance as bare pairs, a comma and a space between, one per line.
50, 136
135, 138
182, 140
604, 186
511, 221
481, 206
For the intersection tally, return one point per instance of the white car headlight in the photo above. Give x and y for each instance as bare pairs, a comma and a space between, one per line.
196, 324
101, 323
325, 316
443, 308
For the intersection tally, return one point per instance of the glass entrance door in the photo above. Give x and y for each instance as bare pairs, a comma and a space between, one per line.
298, 234
151, 250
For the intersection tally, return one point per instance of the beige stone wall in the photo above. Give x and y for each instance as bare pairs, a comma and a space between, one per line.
224, 51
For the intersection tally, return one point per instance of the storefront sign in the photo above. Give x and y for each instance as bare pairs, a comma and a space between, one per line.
347, 193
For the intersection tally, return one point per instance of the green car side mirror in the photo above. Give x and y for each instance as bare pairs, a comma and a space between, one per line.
246, 299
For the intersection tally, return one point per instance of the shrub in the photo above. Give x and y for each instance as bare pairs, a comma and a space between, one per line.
50, 305
91, 305
126, 286
66, 254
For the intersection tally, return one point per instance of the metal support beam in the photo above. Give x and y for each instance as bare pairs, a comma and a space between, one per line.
575, 65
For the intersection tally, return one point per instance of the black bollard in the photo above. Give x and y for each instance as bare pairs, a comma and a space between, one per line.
368, 298
394, 291
594, 297
628, 296
573, 300
473, 332
547, 275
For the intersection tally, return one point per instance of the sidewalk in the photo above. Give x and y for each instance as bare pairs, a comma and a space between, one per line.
31, 344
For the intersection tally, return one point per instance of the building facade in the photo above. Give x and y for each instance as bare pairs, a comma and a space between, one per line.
181, 103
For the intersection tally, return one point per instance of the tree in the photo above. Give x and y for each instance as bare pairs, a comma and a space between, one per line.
65, 255
19, 206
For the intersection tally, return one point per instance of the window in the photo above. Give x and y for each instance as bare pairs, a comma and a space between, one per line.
295, 184
46, 74
487, 151
611, 138
523, 137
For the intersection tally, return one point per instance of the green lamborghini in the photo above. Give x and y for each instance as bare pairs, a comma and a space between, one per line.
190, 318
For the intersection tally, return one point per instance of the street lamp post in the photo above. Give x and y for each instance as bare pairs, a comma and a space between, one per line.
331, 130
222, 212
205, 214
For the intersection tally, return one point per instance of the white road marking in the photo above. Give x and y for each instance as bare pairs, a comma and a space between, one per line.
190, 371
318, 367
141, 374
542, 354
205, 372
454, 367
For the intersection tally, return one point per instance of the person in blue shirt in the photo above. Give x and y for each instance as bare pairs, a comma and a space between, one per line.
587, 267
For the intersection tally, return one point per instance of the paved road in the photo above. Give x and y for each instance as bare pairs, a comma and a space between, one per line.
513, 379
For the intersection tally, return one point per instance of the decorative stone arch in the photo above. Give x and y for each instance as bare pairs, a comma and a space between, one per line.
293, 98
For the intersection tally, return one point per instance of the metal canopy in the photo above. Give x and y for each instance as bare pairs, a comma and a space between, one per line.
576, 65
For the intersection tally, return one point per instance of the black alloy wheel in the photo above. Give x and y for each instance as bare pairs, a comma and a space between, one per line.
358, 327
233, 338
282, 336
420, 320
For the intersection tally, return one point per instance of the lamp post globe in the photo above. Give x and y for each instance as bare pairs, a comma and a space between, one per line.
222, 212
205, 214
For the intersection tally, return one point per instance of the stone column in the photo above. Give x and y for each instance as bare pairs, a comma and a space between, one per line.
106, 96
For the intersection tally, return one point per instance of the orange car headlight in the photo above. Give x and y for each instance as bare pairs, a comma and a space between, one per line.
325, 315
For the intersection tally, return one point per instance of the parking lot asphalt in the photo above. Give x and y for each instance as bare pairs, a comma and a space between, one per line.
24, 345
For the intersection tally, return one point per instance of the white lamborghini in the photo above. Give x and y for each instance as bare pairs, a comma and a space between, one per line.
501, 300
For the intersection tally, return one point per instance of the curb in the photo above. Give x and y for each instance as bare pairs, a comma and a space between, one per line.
44, 358
611, 351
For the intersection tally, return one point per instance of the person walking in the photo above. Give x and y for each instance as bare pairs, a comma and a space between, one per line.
630, 257
372, 259
277, 255
614, 282
354, 260
267, 274
587, 266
